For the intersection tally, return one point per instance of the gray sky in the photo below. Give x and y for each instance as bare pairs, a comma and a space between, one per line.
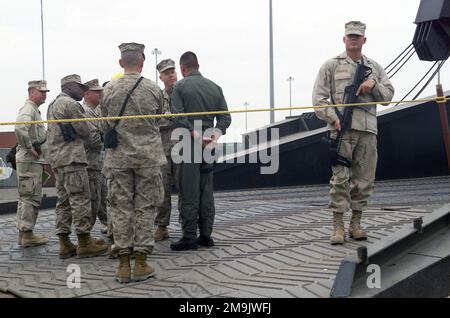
230, 38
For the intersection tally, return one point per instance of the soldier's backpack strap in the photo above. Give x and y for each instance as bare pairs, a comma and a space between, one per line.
110, 138
125, 102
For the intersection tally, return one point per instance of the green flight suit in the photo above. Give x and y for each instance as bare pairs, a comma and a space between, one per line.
195, 93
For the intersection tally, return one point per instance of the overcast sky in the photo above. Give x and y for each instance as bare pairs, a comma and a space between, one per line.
230, 38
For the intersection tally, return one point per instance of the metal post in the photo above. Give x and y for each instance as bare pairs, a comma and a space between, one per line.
290, 79
246, 107
444, 122
272, 99
156, 52
42, 41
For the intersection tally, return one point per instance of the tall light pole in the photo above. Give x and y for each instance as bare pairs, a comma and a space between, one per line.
155, 52
272, 99
290, 79
42, 41
246, 107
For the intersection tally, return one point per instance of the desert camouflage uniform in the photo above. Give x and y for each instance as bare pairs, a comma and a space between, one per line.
166, 126
97, 181
68, 160
29, 169
351, 187
133, 169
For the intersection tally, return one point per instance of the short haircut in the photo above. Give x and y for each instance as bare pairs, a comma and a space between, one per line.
131, 58
189, 60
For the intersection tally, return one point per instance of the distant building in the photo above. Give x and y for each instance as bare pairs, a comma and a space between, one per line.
7, 139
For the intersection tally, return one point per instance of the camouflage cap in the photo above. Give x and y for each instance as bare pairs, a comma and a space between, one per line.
165, 65
131, 47
94, 85
72, 78
355, 27
40, 85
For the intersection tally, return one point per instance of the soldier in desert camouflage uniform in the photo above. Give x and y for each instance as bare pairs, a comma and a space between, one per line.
30, 157
68, 160
351, 187
133, 168
168, 76
92, 98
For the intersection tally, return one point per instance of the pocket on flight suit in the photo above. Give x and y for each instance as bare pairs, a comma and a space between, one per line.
75, 182
26, 185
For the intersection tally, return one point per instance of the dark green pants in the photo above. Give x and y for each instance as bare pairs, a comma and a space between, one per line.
196, 199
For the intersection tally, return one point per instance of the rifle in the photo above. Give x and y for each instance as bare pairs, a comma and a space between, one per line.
362, 72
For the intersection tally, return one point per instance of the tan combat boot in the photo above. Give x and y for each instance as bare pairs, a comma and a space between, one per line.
355, 231
66, 247
142, 270
161, 233
338, 234
88, 248
123, 272
30, 239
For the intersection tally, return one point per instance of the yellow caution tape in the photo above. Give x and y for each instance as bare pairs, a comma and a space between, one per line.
74, 120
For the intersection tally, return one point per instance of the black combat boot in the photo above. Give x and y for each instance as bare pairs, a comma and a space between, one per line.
184, 244
206, 241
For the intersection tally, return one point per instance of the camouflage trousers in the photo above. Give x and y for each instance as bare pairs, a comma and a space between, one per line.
74, 199
103, 210
106, 205
351, 187
97, 183
168, 172
133, 196
29, 180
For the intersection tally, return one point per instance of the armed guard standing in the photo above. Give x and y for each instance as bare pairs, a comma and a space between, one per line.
349, 78
168, 75
68, 161
30, 157
134, 155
